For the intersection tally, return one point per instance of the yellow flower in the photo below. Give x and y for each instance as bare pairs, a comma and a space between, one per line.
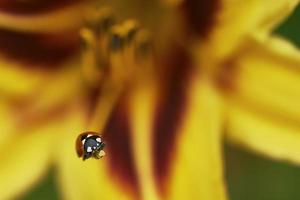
215, 72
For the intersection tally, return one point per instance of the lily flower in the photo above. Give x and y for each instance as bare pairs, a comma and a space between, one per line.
165, 82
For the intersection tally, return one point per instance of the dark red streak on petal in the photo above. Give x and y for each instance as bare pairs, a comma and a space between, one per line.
25, 7
200, 15
27, 119
227, 75
169, 111
34, 50
117, 137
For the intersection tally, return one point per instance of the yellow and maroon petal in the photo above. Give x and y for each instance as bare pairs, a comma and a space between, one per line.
197, 165
33, 50
36, 38
27, 154
18, 173
263, 134
91, 179
17, 82
200, 15
264, 103
266, 76
28, 60
173, 83
41, 16
34, 6
237, 18
7, 122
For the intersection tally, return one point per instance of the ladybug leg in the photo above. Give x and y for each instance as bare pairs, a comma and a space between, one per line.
85, 156
102, 145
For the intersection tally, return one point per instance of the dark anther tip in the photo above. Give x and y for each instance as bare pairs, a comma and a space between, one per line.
143, 43
99, 19
105, 24
116, 42
131, 34
143, 48
101, 25
84, 44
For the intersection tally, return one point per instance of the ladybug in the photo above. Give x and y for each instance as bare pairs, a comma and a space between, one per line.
89, 144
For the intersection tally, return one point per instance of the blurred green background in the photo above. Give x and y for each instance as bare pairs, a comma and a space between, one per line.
249, 176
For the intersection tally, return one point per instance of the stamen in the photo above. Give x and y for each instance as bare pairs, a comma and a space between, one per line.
143, 44
116, 42
110, 88
132, 28
100, 20
90, 58
104, 106
123, 42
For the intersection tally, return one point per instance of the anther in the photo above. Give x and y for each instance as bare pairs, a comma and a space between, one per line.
116, 42
99, 20
131, 34
143, 44
92, 59
105, 24
86, 38
131, 27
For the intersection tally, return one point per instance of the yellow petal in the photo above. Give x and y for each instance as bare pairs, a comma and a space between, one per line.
28, 153
58, 88
197, 169
25, 158
15, 81
263, 134
7, 124
268, 77
40, 87
23, 161
238, 18
88, 179
59, 20
142, 106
